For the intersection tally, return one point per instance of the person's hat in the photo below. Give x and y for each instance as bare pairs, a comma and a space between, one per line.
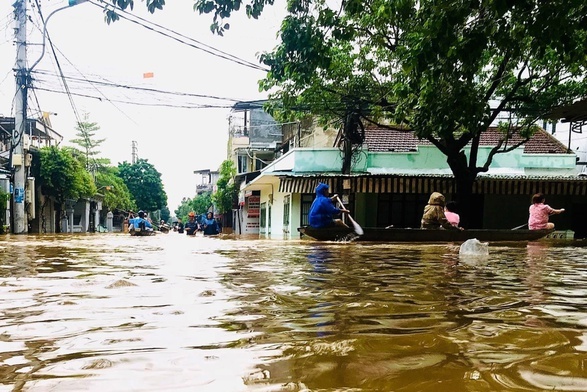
191, 214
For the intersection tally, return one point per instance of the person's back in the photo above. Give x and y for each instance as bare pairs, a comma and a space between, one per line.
140, 222
434, 217
322, 209
540, 212
450, 212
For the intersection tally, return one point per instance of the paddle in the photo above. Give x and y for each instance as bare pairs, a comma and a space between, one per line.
519, 227
358, 229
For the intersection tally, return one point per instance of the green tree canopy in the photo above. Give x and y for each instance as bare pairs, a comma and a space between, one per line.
202, 203
184, 208
144, 183
112, 187
226, 192
62, 176
86, 132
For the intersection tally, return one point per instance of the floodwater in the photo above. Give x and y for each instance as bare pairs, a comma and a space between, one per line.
110, 312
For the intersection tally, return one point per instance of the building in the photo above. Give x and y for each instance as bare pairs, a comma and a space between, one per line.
395, 173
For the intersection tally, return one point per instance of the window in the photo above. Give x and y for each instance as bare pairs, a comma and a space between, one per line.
263, 218
307, 200
286, 210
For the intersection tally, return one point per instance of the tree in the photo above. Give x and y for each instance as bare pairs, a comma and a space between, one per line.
116, 193
144, 183
446, 70
226, 191
201, 203
86, 132
184, 208
62, 176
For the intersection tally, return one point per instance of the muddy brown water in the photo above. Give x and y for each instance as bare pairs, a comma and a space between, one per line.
110, 312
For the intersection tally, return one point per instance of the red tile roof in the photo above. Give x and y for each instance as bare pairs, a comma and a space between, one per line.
384, 140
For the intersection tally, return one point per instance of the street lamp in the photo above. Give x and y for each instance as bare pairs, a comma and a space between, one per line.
71, 3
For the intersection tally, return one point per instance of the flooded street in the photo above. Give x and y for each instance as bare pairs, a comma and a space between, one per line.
110, 312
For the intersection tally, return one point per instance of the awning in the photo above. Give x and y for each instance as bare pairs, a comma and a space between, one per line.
519, 185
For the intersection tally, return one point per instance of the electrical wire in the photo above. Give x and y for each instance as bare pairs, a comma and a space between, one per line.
147, 89
180, 37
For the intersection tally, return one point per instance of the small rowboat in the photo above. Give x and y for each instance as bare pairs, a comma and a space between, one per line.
421, 235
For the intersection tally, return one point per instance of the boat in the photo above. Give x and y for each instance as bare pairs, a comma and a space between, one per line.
393, 234
141, 233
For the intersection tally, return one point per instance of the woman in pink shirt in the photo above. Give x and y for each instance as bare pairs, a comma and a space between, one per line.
451, 216
539, 213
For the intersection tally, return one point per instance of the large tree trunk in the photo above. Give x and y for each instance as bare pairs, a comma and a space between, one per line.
464, 179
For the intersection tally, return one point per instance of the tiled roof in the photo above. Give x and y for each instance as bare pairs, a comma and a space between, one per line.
385, 140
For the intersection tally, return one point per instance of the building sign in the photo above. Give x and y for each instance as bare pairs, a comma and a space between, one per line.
254, 204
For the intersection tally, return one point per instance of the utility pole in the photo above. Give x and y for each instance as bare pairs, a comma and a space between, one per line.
135, 152
20, 221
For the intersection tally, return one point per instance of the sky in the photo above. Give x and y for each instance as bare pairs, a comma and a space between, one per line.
94, 55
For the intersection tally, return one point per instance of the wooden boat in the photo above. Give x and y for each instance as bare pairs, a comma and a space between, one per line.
421, 235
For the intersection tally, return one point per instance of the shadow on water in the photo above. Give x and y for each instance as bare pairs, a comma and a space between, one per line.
170, 312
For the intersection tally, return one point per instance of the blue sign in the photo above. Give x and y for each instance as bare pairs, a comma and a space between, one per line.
19, 195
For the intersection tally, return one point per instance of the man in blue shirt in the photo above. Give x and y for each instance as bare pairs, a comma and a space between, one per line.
140, 222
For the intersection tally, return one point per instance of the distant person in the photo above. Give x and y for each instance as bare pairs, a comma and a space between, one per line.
209, 225
539, 213
323, 210
450, 212
140, 222
191, 226
434, 217
179, 226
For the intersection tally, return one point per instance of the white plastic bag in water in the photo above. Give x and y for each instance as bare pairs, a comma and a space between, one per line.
474, 247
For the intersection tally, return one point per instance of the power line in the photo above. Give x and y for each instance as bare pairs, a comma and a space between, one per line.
200, 106
148, 89
180, 37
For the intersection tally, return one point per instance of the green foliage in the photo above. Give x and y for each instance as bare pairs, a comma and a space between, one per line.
184, 208
226, 191
115, 192
62, 176
165, 214
4, 197
144, 183
201, 203
86, 132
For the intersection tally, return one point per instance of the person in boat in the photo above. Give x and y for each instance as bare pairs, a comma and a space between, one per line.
209, 225
450, 213
539, 213
434, 217
323, 210
179, 226
191, 226
140, 222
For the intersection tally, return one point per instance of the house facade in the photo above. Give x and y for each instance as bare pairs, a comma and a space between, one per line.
394, 174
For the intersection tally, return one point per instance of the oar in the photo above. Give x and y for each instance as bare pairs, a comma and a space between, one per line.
358, 229
519, 227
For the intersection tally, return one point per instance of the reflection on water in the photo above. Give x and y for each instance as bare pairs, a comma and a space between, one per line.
173, 313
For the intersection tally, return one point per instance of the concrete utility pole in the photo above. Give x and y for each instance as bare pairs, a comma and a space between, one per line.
20, 221
135, 152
